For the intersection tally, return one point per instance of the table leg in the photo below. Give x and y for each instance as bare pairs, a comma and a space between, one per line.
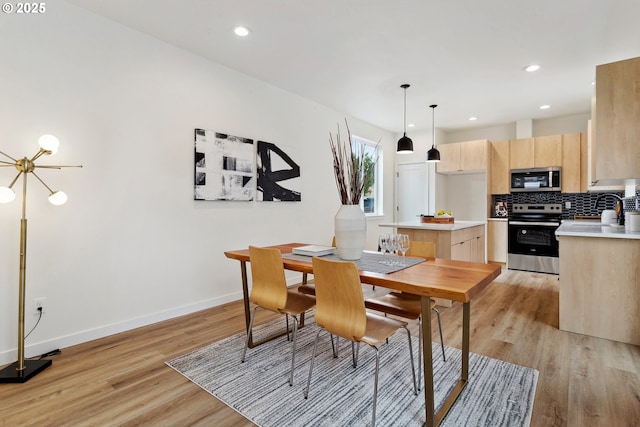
427, 360
464, 374
304, 282
245, 297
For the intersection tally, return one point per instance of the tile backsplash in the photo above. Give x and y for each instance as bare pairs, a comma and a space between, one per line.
581, 203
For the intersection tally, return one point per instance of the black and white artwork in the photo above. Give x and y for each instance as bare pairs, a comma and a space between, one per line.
278, 174
224, 167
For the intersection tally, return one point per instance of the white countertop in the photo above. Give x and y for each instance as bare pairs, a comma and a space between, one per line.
595, 229
457, 225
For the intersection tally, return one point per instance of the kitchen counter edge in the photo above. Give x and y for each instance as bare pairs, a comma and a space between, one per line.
458, 225
594, 229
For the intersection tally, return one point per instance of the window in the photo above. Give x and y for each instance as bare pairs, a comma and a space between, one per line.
371, 202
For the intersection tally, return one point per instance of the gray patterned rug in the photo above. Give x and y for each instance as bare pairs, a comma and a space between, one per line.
497, 394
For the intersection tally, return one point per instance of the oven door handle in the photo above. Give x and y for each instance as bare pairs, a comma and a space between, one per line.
542, 223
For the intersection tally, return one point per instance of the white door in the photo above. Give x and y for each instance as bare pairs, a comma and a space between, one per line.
412, 191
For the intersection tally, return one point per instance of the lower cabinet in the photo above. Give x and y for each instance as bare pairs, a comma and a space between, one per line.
497, 240
466, 244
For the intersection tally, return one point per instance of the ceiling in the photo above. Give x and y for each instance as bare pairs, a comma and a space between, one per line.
466, 56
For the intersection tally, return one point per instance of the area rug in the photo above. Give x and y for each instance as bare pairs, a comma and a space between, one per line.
497, 394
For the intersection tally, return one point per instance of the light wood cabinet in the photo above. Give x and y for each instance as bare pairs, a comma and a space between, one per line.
463, 157
497, 239
473, 155
449, 158
466, 244
521, 153
499, 181
547, 151
617, 133
600, 287
571, 174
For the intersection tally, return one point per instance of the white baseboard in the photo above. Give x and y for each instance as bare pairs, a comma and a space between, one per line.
36, 349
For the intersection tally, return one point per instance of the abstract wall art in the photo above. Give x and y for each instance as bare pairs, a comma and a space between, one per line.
224, 167
278, 174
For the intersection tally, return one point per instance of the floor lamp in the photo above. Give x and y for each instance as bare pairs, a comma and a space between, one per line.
23, 370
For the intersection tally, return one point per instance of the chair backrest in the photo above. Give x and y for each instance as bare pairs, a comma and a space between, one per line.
422, 249
269, 286
339, 301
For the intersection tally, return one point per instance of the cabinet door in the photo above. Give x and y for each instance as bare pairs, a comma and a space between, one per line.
473, 156
547, 151
584, 161
521, 153
571, 163
449, 158
461, 251
617, 112
499, 168
497, 241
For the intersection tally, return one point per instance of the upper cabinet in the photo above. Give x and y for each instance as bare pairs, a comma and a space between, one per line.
617, 128
571, 162
521, 153
567, 151
463, 157
547, 151
499, 176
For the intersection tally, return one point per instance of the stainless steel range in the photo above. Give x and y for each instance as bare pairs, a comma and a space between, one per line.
532, 241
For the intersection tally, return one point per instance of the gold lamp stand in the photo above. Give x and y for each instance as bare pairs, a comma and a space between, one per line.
22, 370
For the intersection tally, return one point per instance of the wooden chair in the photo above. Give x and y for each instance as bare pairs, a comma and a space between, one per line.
408, 305
340, 311
269, 291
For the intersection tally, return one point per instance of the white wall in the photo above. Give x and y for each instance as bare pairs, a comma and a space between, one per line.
131, 246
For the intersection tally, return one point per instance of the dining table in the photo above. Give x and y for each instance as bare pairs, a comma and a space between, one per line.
459, 281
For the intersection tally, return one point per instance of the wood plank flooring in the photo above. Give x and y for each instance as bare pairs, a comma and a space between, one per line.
122, 380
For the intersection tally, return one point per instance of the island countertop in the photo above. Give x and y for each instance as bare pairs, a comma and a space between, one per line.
594, 229
457, 225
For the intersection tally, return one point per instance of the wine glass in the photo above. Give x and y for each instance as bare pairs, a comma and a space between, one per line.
404, 243
383, 240
394, 243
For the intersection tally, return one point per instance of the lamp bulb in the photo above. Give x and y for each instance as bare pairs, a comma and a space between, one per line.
49, 143
7, 195
58, 198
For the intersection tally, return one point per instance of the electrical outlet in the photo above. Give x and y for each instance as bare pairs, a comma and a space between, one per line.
567, 205
38, 303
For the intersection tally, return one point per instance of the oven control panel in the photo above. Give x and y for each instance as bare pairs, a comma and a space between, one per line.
541, 208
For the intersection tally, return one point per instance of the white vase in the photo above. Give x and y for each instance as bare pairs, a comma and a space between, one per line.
351, 232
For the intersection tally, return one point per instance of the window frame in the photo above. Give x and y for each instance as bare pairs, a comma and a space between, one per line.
378, 184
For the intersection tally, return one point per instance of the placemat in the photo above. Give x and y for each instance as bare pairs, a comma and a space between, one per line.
371, 261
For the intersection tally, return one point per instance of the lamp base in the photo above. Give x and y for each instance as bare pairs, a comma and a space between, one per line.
31, 368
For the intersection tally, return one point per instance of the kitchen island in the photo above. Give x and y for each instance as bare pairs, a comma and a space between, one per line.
599, 280
462, 240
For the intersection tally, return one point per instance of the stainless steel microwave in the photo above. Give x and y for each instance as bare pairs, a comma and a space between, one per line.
536, 179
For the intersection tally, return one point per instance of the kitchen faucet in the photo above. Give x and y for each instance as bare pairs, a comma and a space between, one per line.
619, 211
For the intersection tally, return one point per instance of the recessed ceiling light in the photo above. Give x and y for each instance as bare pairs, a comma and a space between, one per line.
473, 118
241, 31
531, 68
410, 125
545, 107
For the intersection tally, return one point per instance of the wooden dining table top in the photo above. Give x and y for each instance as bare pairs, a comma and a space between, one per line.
436, 277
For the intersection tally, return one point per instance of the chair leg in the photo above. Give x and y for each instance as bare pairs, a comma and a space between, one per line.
420, 353
334, 347
286, 316
413, 366
375, 388
246, 342
355, 353
293, 350
440, 329
313, 356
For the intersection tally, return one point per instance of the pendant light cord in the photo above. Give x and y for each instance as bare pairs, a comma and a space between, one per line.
433, 125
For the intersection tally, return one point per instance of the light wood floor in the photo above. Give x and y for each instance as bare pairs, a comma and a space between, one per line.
122, 379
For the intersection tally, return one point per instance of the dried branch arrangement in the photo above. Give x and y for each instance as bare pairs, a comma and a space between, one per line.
349, 167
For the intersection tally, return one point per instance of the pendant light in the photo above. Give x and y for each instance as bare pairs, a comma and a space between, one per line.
405, 144
433, 155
